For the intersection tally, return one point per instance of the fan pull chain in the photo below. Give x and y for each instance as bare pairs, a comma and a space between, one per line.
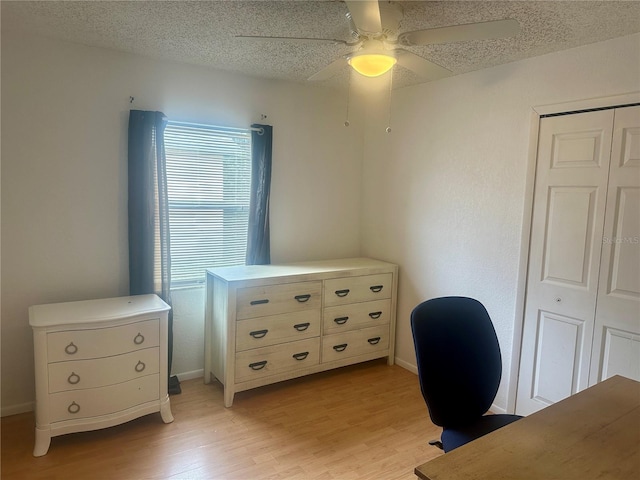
388, 129
346, 122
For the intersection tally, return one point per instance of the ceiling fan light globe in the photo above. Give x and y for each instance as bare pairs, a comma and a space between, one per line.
372, 64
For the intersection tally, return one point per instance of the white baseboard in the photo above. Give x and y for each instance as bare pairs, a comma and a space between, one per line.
190, 375
17, 409
30, 406
414, 369
406, 365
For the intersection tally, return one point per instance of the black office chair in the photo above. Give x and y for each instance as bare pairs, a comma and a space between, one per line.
459, 367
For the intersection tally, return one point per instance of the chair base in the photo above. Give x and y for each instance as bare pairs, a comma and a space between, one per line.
436, 443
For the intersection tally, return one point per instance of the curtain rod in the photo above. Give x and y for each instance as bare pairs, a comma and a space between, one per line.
259, 130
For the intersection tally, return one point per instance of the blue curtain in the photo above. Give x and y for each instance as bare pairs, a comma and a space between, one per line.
258, 241
149, 259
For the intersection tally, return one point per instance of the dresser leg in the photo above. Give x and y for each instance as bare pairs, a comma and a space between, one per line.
43, 440
165, 412
228, 397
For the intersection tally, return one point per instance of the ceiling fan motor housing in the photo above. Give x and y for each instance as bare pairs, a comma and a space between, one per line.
391, 15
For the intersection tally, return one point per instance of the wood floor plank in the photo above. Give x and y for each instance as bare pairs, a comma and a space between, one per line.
366, 421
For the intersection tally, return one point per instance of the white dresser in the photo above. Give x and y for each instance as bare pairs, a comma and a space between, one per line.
98, 363
268, 323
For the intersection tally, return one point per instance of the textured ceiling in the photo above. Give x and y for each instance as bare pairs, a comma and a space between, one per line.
203, 32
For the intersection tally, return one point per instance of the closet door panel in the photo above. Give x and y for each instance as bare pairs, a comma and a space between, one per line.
571, 218
559, 357
616, 344
620, 354
567, 225
624, 273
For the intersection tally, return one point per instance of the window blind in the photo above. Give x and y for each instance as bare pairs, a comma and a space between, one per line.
208, 183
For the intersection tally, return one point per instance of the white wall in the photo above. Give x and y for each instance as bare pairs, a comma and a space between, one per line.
444, 193
64, 181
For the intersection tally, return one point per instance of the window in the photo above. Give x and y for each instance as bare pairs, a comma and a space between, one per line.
208, 183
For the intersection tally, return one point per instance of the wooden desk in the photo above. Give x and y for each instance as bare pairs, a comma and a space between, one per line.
594, 434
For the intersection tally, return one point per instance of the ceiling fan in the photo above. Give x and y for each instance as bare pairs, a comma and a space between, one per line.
376, 41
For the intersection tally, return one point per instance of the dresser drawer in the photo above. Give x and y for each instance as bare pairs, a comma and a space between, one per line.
104, 400
366, 288
273, 299
266, 361
358, 342
102, 342
100, 372
288, 327
343, 318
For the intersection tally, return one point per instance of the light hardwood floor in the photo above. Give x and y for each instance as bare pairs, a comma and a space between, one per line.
365, 421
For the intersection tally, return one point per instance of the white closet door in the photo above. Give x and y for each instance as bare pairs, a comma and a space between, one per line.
616, 342
566, 237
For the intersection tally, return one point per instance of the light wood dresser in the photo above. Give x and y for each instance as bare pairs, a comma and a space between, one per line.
98, 363
268, 323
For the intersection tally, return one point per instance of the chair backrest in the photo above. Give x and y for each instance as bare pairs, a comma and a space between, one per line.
459, 361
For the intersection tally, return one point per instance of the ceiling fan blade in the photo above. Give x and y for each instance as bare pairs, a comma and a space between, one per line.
365, 15
329, 71
292, 39
421, 66
457, 33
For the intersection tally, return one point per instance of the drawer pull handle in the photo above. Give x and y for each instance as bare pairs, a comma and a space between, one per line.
301, 327
374, 340
259, 333
376, 288
300, 356
73, 408
302, 298
375, 315
74, 378
259, 302
342, 293
341, 320
258, 365
340, 348
138, 339
140, 366
71, 349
